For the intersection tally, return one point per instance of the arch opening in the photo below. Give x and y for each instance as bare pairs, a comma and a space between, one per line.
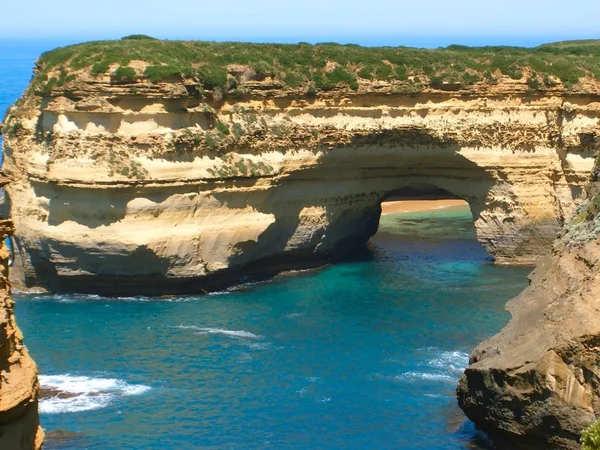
419, 197
423, 211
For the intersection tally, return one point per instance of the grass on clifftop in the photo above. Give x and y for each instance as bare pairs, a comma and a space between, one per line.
590, 437
320, 67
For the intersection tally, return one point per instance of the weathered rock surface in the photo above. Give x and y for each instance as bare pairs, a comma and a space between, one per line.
19, 421
537, 382
147, 188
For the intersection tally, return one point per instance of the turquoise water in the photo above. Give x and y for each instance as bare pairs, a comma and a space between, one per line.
363, 354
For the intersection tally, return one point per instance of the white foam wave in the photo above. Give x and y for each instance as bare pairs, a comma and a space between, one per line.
442, 366
56, 405
80, 393
28, 291
454, 362
231, 333
425, 376
261, 346
234, 333
294, 315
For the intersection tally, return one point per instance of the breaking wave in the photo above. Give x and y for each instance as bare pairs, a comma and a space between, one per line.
230, 333
67, 393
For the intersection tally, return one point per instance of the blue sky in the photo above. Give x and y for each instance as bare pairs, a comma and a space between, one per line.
386, 22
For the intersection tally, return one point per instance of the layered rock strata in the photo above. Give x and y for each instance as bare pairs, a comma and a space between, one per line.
153, 188
19, 421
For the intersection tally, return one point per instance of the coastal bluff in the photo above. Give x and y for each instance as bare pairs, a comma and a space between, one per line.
536, 384
19, 386
154, 167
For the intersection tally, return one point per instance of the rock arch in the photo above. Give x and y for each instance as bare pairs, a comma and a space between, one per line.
303, 188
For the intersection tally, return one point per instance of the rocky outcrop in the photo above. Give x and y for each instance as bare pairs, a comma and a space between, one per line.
19, 422
141, 187
537, 382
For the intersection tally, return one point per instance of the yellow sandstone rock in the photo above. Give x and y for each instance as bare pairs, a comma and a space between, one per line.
19, 421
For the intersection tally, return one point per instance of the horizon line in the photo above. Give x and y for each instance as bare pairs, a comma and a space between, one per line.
424, 41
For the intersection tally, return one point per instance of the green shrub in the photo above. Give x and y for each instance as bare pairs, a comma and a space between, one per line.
293, 80
263, 69
549, 82
566, 71
12, 130
533, 82
383, 72
339, 76
279, 130
437, 80
470, 78
590, 213
222, 128
321, 82
406, 89
211, 140
508, 66
137, 37
48, 86
212, 77
366, 72
237, 130
99, 67
124, 74
64, 79
157, 74
400, 73
590, 437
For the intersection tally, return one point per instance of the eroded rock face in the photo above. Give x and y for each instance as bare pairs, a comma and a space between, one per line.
19, 421
157, 191
537, 382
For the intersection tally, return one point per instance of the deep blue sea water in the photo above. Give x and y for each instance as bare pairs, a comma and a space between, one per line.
364, 354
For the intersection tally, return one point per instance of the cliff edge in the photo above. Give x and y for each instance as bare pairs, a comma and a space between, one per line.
19, 421
537, 382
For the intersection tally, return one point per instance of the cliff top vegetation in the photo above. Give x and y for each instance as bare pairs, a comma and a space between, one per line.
319, 67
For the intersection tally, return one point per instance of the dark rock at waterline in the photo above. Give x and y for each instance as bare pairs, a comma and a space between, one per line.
62, 439
55, 393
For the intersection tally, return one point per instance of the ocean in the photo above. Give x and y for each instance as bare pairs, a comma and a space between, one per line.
363, 354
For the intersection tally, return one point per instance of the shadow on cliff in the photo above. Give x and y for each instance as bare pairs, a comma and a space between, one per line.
339, 183
96, 207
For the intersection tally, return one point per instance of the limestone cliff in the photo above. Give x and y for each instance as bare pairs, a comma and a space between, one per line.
19, 421
125, 182
537, 382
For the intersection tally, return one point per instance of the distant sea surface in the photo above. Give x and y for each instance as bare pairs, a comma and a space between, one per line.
364, 354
